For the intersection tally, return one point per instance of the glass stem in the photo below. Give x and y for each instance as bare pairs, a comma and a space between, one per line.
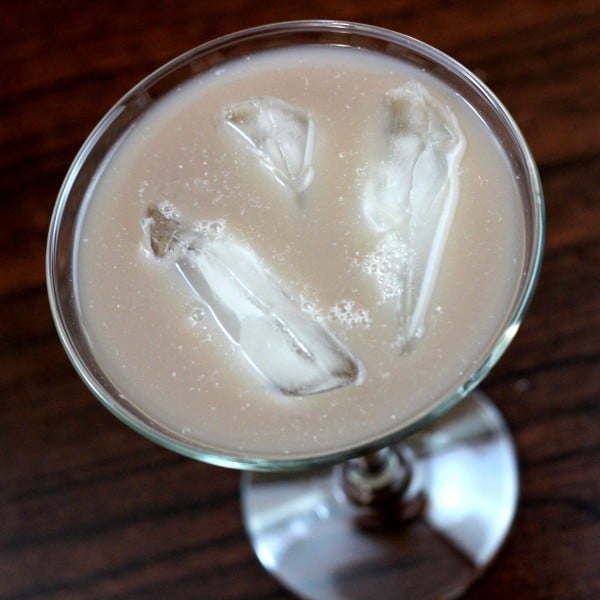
377, 479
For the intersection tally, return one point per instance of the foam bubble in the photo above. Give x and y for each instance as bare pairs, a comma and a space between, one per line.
198, 314
311, 309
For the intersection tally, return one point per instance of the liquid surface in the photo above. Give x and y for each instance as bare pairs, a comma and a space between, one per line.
163, 348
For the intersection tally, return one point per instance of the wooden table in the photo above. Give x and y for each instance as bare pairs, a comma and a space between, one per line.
88, 508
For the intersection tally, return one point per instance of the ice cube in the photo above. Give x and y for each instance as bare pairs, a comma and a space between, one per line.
414, 192
294, 353
281, 134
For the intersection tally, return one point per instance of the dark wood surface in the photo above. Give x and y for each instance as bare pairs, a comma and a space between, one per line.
88, 508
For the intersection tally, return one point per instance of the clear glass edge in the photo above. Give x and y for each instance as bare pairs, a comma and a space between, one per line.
231, 460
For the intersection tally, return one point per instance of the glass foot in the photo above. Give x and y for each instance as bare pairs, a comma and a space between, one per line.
445, 525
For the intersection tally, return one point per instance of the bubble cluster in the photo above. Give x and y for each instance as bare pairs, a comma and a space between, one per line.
345, 312
388, 264
213, 229
167, 209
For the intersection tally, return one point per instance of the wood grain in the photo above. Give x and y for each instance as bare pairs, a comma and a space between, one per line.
89, 509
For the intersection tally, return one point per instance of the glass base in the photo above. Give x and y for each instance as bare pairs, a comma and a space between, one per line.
433, 540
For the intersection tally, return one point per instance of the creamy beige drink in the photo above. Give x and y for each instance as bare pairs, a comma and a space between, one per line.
204, 238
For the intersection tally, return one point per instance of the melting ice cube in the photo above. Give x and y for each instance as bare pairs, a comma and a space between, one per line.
281, 134
293, 352
414, 192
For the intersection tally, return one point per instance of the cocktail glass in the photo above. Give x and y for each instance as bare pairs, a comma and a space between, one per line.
418, 512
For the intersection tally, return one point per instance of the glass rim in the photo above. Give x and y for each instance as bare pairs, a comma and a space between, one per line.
229, 458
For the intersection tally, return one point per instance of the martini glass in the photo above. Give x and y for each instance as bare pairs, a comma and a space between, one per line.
417, 512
